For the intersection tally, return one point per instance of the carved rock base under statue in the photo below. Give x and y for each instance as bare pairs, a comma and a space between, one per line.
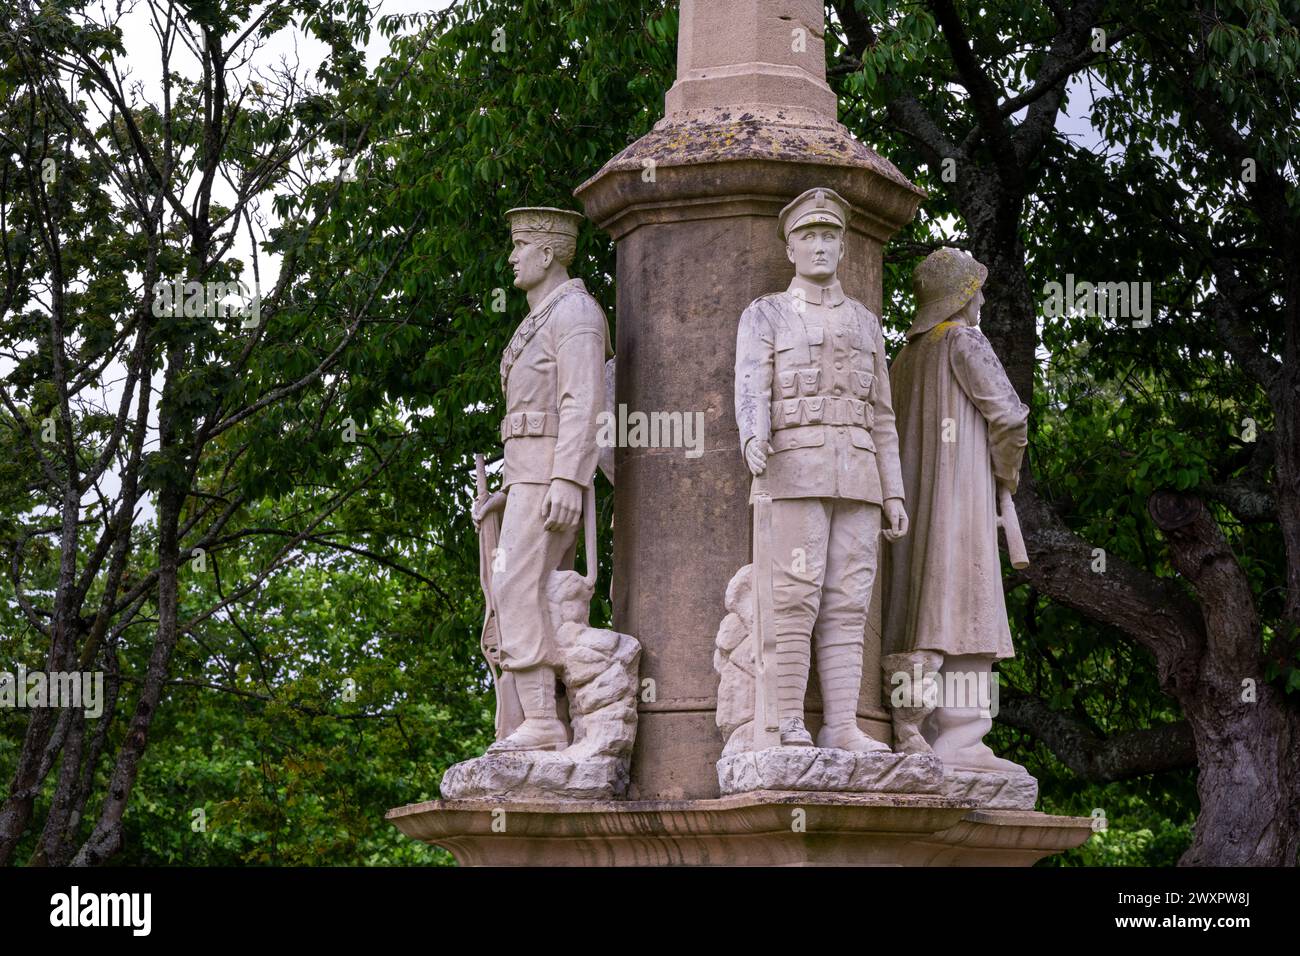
997, 791
599, 668
822, 769
536, 775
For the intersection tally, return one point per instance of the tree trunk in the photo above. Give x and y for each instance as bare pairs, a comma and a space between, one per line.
1247, 731
106, 839
1248, 779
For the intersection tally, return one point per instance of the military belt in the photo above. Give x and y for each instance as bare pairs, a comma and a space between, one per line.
529, 425
821, 410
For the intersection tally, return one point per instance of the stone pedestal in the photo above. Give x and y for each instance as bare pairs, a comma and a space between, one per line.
995, 791
835, 771
537, 776
754, 829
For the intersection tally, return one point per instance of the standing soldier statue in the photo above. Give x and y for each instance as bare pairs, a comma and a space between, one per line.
552, 374
963, 433
817, 432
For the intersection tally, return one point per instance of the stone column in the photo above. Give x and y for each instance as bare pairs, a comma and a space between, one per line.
749, 124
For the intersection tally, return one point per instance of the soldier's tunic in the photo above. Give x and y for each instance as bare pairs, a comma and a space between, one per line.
812, 378
552, 374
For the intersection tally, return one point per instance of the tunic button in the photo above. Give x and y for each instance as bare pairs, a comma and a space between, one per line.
838, 366
839, 389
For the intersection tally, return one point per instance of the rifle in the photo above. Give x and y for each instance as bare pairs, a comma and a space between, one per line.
767, 725
509, 713
1010, 526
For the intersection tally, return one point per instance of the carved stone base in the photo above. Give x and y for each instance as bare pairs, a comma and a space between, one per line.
538, 775
751, 829
996, 791
818, 768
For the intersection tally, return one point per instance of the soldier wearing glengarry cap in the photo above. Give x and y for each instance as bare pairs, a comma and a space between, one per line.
552, 374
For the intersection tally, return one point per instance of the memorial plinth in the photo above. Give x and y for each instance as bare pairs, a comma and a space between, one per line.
755, 829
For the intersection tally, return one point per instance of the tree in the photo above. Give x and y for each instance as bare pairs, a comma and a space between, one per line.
118, 267
1192, 78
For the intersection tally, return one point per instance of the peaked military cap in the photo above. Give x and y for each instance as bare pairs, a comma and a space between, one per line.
817, 206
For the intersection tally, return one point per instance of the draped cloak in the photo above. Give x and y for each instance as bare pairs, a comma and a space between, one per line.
943, 580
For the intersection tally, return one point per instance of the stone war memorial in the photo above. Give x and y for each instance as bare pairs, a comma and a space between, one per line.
624, 435
806, 609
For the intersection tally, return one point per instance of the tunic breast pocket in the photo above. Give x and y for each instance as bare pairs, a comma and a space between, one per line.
791, 347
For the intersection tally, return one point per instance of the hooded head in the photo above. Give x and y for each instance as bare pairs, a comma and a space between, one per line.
944, 283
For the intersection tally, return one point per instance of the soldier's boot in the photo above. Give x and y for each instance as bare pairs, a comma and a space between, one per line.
957, 733
794, 733
792, 654
910, 679
839, 668
542, 729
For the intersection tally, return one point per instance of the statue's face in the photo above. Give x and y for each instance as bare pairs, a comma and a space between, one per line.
530, 260
970, 312
816, 251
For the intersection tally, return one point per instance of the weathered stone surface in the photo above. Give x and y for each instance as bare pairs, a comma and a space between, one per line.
992, 790
752, 52
537, 775
696, 244
599, 668
751, 829
818, 768
733, 659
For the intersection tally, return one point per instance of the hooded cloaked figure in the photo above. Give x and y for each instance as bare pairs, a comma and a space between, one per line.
961, 431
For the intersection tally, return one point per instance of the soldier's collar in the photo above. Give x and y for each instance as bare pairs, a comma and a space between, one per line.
815, 294
570, 285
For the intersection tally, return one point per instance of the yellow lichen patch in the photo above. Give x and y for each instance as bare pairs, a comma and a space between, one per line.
939, 330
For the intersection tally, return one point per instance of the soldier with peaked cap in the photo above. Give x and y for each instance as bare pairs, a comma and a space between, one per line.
817, 432
552, 374
963, 432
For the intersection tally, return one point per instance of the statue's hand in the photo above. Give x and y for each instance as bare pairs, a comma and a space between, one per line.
756, 452
562, 509
897, 519
485, 506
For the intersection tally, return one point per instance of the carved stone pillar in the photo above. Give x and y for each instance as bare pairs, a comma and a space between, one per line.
749, 124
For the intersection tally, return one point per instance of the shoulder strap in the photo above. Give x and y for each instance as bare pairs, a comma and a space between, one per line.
523, 335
